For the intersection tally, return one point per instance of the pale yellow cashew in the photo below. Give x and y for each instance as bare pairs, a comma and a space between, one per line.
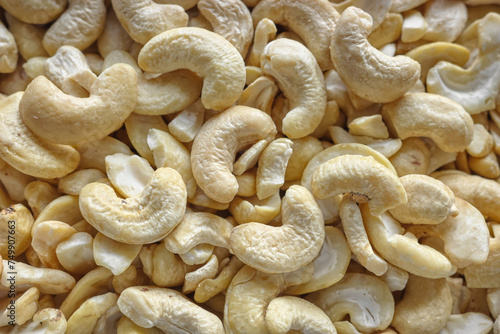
46, 236
127, 326
265, 31
86, 316
65, 119
75, 254
35, 12
412, 158
445, 20
145, 218
129, 174
470, 321
93, 154
259, 94
288, 247
16, 221
114, 255
226, 133
22, 149
14, 182
252, 209
48, 321
63, 208
301, 81
185, 126
249, 158
366, 71
378, 10
199, 254
372, 126
168, 310
482, 142
414, 26
8, 50
272, 167
164, 268
25, 306
313, 21
196, 49
207, 271
71, 184
113, 36
108, 321
38, 194
303, 150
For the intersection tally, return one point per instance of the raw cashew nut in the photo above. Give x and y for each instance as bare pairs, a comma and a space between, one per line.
114, 255
168, 310
469, 322
93, 154
301, 81
272, 167
145, 218
36, 12
366, 71
196, 49
64, 119
86, 316
265, 31
8, 50
129, 174
46, 236
216, 145
113, 36
16, 222
25, 306
75, 253
71, 184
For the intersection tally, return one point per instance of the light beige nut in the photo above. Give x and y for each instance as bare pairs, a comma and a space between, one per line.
108, 321
186, 4
46, 236
202, 200
195, 49
486, 166
71, 184
395, 278
259, 94
231, 19
482, 142
194, 278
199, 254
314, 22
25, 306
129, 174
265, 31
163, 267
13, 181
227, 133
272, 166
80, 25
95, 62
413, 157
377, 10
16, 222
471, 321
114, 255
126, 326
399, 6
84, 319
303, 230
425, 307
46, 320
252, 209
451, 127
301, 81
185, 126
113, 36
130, 220
414, 26
22, 149
246, 184
35, 12
303, 150
365, 70
51, 114
365, 298
130, 277
371, 126
166, 309
439, 157
75, 254
493, 300
445, 20
249, 158
486, 275
63, 208
8, 51
387, 32
93, 153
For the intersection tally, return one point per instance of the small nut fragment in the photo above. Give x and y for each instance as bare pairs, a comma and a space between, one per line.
272, 167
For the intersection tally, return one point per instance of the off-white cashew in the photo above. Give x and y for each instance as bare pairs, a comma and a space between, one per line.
8, 51
195, 49
445, 20
265, 31
399, 6
95, 62
377, 10
371, 126
366, 71
71, 184
486, 166
303, 150
145, 218
425, 307
291, 313
188, 122
126, 326
414, 26
493, 300
482, 142
301, 81
94, 153
24, 308
246, 185
468, 322
35, 12
64, 208
164, 268
451, 127
14, 182
65, 119
113, 36
112, 254
486, 275
413, 157
272, 166
249, 158
129, 174
366, 299
231, 19
22, 149
130, 277
46, 236
288, 247
207, 271
314, 22
395, 278
83, 320
46, 321
167, 310
108, 321
16, 222
259, 94
199, 254
75, 254
80, 25
252, 209
202, 200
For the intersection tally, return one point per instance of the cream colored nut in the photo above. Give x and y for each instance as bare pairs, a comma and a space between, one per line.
246, 184
113, 36
366, 299
75, 254
202, 200
365, 178
94, 153
247, 298
252, 209
108, 321
8, 51
439, 158
14, 182
265, 31
226, 133
371, 126
249, 158
199, 21
127, 326
332, 117
64, 208
195, 49
486, 275
493, 300
71, 184
198, 228
303, 150
425, 307
51, 114
413, 157
357, 238
185, 126
414, 26
130, 221
451, 127
272, 166
169, 152
303, 230
164, 268
403, 250
16, 222
186, 4
95, 62
194, 278
465, 323
292, 313
429, 201
460, 293
230, 19
387, 32
166, 309
259, 94
48, 281
329, 266
24, 308
80, 25
130, 277
445, 20
301, 81
395, 278
47, 321
35, 12
486, 166
314, 22
365, 70
129, 174
22, 149
83, 320
114, 255
378, 10
46, 236
199, 254
482, 142
399, 6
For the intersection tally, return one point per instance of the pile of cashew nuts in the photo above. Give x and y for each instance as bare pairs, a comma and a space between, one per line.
250, 166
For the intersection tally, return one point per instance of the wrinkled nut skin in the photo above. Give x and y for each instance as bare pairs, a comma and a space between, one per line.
215, 147
36, 12
196, 49
145, 218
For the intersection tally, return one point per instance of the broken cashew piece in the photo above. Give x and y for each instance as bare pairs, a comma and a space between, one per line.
35, 12
272, 166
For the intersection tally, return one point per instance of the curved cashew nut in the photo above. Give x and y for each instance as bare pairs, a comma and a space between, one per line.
246, 210
145, 218
226, 134
313, 21
412, 158
288, 247
22, 149
301, 80
445, 20
35, 12
366, 71
194, 278
168, 310
64, 119
195, 49
113, 36
364, 177
51, 320
25, 306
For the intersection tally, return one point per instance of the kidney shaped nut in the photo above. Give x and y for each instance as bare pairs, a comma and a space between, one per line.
36, 12
288, 247
301, 81
15, 230
203, 52
65, 119
365, 298
168, 310
366, 71
145, 218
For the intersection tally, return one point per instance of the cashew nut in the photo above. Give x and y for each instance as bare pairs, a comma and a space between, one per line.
129, 174
112, 254
8, 51
16, 221
113, 36
94, 153
272, 167
83, 320
46, 236
75, 254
